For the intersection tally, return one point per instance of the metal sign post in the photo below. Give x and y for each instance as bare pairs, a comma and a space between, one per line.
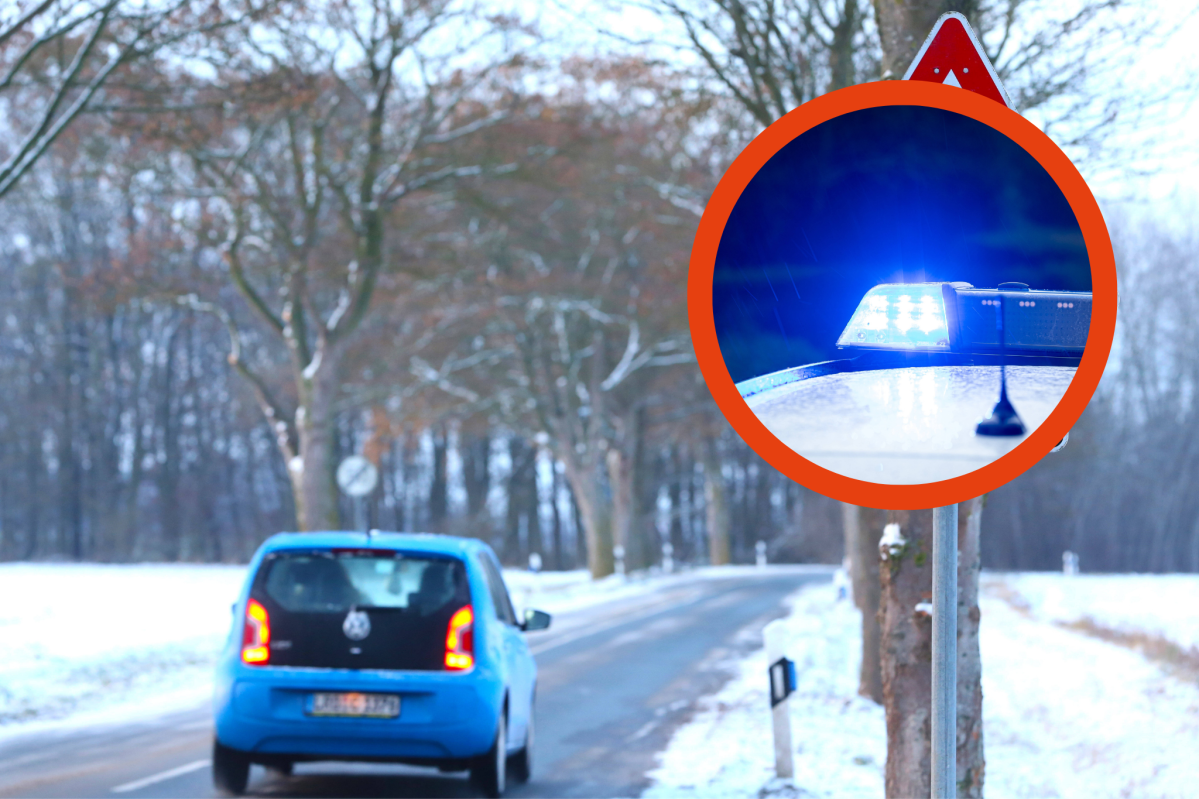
945, 650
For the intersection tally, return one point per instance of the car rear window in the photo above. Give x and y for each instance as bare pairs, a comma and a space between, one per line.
350, 608
329, 581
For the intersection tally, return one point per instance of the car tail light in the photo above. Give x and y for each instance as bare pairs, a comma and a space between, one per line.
460, 640
256, 635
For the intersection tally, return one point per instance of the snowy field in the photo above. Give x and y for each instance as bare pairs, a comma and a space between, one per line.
86, 637
1156, 604
1066, 713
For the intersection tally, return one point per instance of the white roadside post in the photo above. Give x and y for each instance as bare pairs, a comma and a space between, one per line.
618, 556
668, 557
534, 582
781, 685
1069, 563
760, 553
945, 652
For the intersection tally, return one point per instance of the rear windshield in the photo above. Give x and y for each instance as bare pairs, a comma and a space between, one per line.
354, 608
331, 581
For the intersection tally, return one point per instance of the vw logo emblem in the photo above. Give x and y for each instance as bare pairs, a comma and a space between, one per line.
357, 625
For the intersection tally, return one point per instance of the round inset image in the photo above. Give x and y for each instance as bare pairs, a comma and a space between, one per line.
902, 295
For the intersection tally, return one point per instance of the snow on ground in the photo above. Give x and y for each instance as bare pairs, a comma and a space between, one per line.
1065, 714
82, 637
1161, 604
726, 750
1069, 715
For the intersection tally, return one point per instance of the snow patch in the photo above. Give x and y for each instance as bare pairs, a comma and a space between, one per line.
892, 542
82, 637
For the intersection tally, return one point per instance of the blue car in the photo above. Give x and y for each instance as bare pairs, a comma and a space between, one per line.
383, 647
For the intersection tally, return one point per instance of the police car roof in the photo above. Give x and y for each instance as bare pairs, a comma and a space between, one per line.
906, 425
413, 542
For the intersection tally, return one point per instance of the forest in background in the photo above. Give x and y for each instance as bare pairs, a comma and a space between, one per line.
242, 240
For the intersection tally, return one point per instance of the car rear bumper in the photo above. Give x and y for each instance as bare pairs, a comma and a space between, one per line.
443, 716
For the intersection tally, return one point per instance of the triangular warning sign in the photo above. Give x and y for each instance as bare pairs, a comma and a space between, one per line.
952, 55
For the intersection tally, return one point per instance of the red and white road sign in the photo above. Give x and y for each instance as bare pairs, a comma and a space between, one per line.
953, 55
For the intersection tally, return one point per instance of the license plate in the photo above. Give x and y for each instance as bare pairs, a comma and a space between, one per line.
376, 706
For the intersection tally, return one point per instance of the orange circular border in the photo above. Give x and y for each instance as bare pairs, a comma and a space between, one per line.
1103, 283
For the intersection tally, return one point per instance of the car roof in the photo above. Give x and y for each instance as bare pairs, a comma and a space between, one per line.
412, 542
913, 424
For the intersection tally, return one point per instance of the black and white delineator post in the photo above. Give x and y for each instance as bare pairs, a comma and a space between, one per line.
945, 651
782, 684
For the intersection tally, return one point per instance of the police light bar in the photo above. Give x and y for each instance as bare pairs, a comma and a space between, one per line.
958, 318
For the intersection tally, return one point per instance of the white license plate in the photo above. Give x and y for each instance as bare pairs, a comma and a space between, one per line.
377, 706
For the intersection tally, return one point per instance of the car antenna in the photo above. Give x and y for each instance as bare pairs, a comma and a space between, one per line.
1004, 420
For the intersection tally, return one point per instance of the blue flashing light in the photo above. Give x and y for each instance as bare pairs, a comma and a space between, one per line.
899, 316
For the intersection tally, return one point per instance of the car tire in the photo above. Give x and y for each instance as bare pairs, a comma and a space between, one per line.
230, 770
520, 765
489, 772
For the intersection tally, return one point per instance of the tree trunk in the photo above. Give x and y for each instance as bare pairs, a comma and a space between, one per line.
906, 654
841, 52
476, 475
559, 558
439, 490
863, 528
522, 503
594, 514
312, 475
715, 506
620, 477
903, 25
906, 573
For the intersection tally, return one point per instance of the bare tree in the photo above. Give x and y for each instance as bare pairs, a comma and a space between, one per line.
587, 257
332, 128
57, 57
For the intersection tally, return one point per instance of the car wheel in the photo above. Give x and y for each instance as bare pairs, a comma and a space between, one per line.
520, 766
489, 771
230, 770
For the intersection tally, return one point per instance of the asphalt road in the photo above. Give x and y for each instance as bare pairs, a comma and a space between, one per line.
615, 681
